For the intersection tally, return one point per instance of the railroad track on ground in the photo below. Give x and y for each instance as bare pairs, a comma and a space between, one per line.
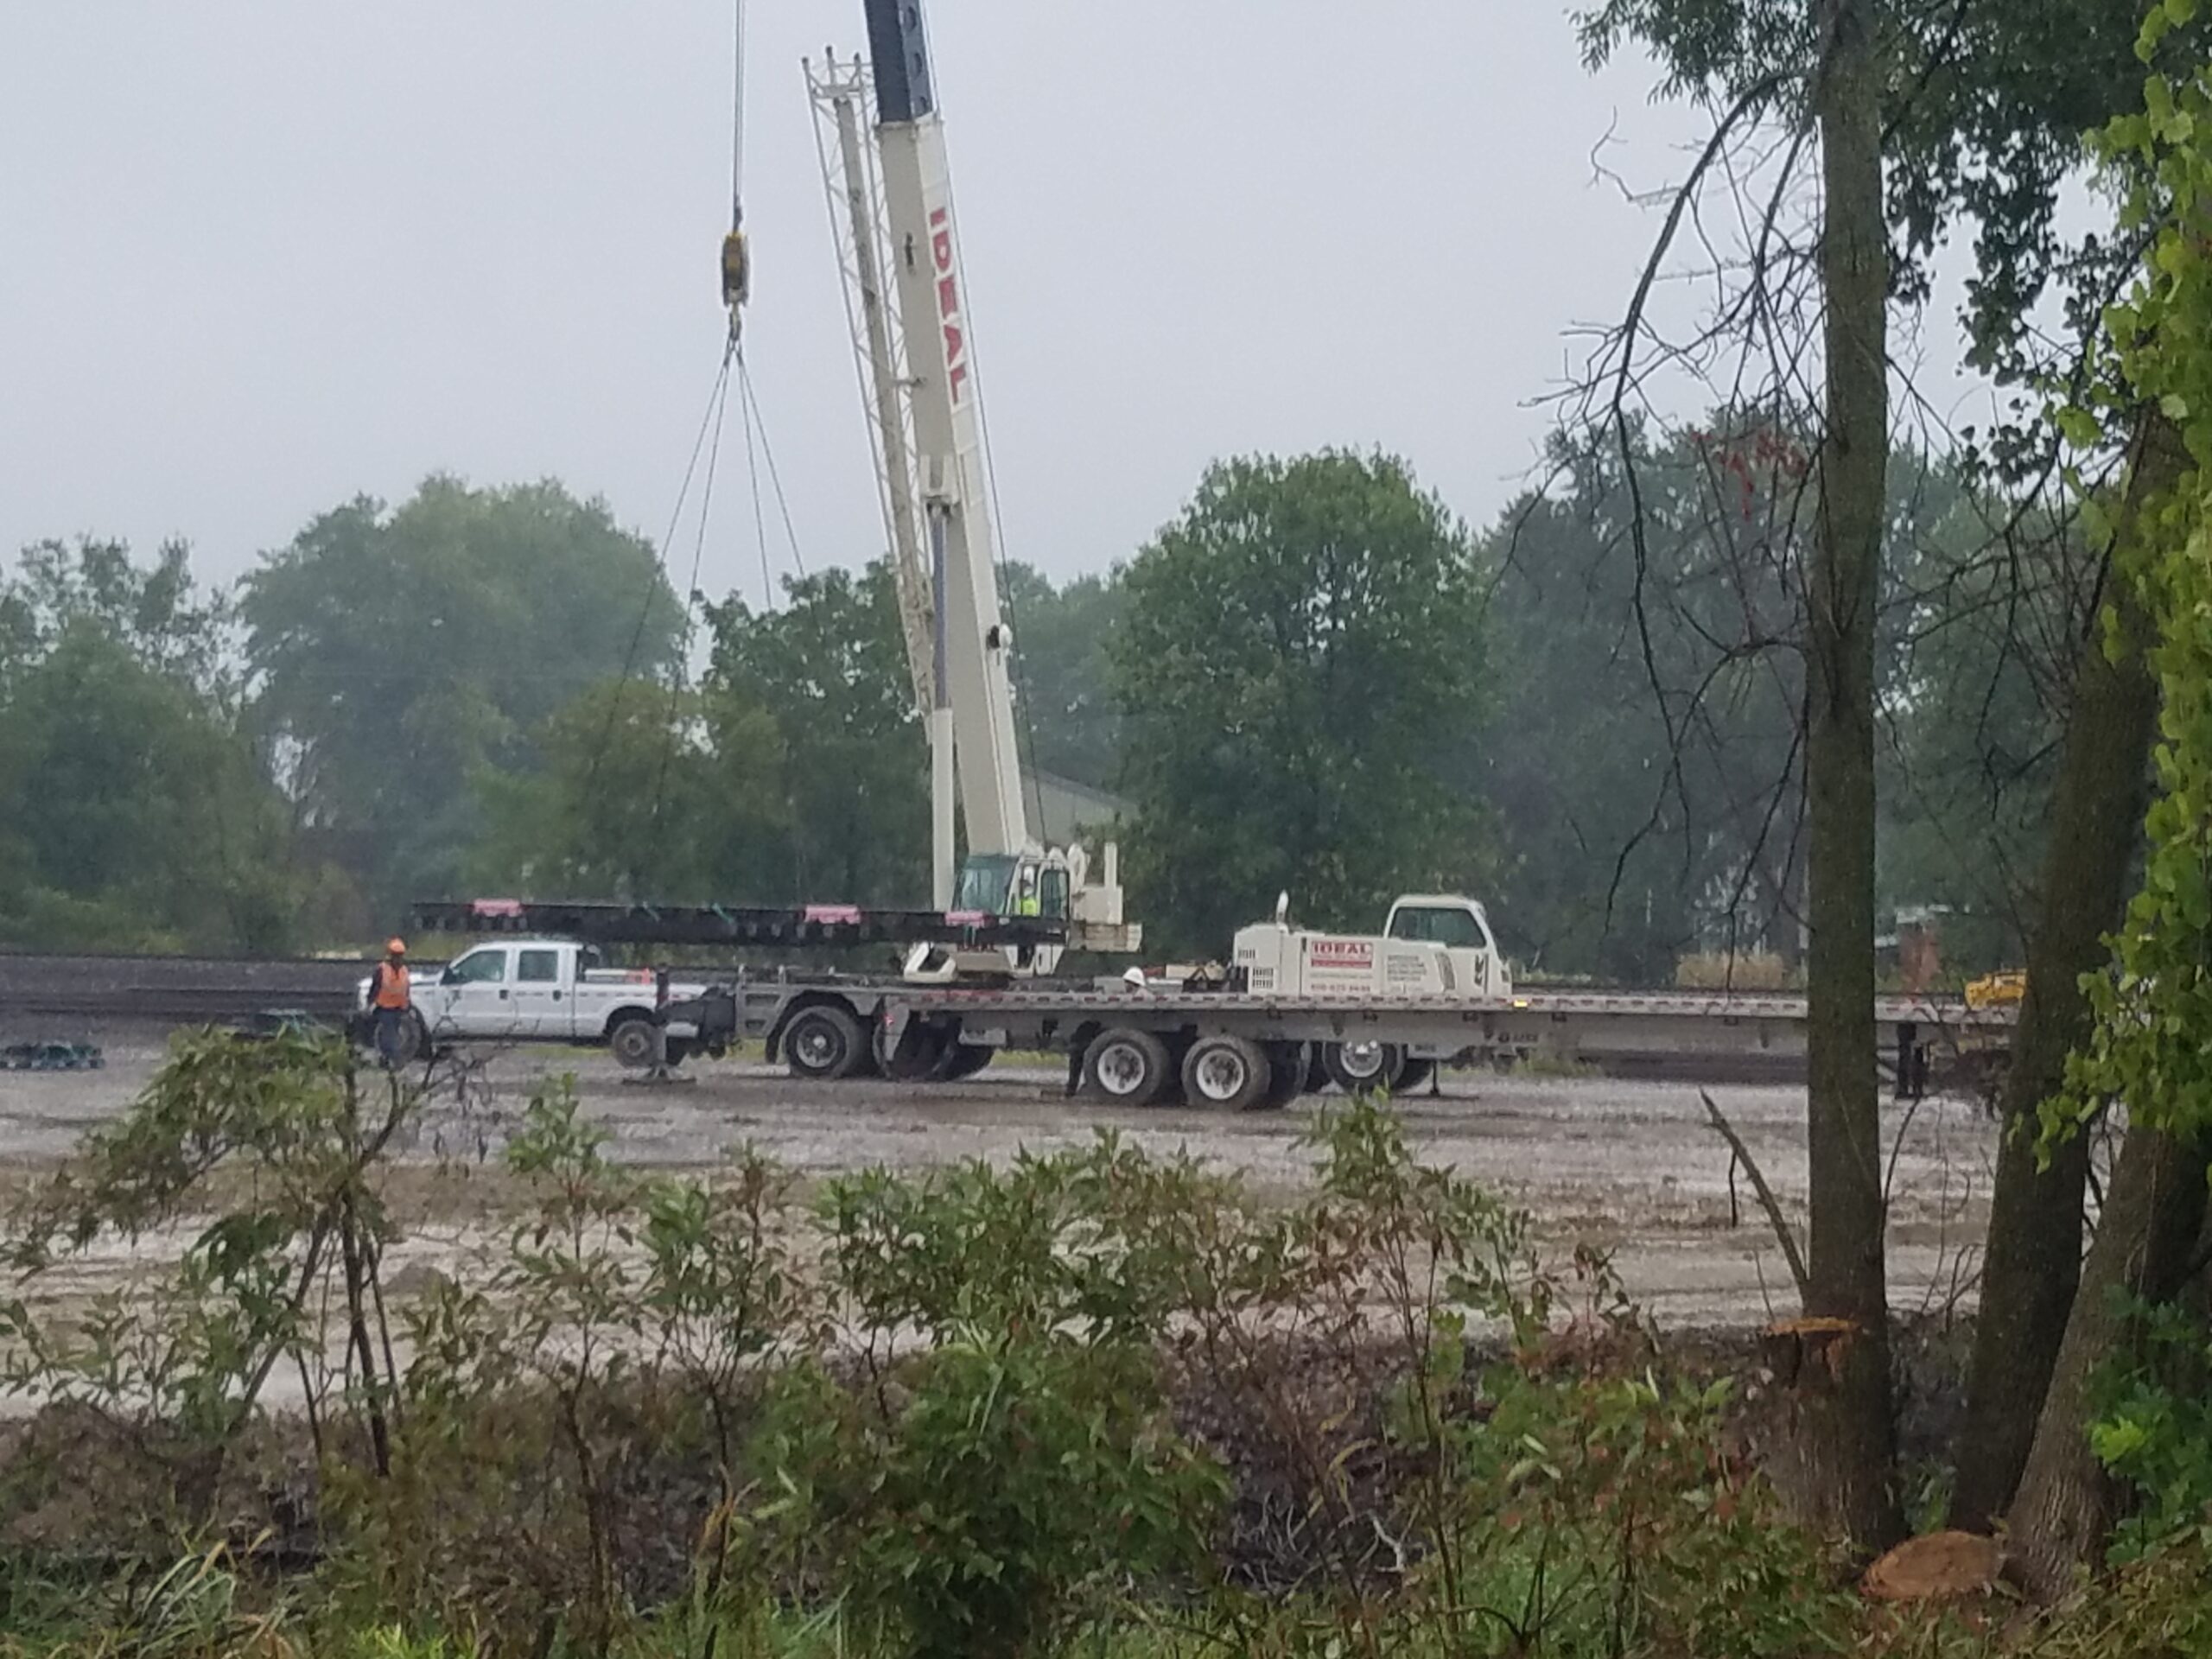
180, 990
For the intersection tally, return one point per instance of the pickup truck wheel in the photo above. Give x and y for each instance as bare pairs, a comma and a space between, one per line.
414, 1038
1358, 1067
635, 1043
1126, 1067
823, 1043
1229, 1074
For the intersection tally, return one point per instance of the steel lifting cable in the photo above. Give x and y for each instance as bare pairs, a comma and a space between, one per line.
679, 682
708, 423
768, 454
717, 404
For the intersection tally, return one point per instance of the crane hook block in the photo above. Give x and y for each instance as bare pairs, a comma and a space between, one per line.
737, 271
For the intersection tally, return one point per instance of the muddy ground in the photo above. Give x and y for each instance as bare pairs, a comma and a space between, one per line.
1631, 1167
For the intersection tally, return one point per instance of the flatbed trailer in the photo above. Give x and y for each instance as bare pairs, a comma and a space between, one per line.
829, 1026
1222, 1047
1915, 1034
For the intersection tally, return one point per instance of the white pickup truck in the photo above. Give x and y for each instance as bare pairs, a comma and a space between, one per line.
1434, 945
542, 991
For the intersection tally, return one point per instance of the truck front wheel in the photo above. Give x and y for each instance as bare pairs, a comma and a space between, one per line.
1126, 1067
822, 1043
1229, 1074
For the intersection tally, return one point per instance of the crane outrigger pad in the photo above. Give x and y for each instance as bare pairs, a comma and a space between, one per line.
832, 927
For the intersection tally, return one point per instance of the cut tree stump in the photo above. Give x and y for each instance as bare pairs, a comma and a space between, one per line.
1806, 1350
1942, 1566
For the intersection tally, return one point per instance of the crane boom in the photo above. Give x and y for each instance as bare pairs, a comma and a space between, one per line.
948, 431
891, 207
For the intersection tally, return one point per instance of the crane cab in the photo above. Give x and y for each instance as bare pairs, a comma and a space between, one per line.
1015, 885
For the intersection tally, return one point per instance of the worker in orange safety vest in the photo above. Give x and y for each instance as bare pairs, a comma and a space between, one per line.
390, 996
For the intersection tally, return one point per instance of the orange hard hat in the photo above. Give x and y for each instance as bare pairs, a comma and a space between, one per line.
395, 947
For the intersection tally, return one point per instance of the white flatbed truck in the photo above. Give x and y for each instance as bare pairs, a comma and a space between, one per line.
1295, 1011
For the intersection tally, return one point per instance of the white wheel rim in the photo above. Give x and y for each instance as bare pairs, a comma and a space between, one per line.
1362, 1061
1220, 1074
816, 1046
1121, 1070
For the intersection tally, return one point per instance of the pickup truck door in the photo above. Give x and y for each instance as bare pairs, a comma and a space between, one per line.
477, 994
544, 1000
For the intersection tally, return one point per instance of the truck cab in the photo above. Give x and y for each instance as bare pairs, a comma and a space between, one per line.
1461, 926
1431, 945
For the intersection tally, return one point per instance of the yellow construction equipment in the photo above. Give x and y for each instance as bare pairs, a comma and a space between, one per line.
1998, 990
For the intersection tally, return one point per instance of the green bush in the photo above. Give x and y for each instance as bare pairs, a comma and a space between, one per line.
2153, 1428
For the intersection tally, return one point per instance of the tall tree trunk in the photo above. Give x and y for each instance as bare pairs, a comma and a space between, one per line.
2034, 1259
1847, 1435
2145, 1240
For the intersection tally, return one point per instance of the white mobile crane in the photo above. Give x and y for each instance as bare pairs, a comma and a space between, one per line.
1296, 1006
883, 157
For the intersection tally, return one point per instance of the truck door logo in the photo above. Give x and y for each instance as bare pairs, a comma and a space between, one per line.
948, 304
1357, 954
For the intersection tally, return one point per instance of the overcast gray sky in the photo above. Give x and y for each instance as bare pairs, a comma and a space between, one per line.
259, 256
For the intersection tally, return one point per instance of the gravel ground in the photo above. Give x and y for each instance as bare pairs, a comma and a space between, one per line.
1628, 1167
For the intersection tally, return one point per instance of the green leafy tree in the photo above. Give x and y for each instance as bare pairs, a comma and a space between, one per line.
134, 812
1981, 667
1641, 744
1300, 667
2153, 1015
1063, 672
617, 805
1980, 111
809, 712
397, 653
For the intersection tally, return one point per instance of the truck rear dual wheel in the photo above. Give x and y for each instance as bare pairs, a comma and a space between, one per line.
928, 1054
1290, 1066
964, 1060
1358, 1067
1235, 1074
1126, 1067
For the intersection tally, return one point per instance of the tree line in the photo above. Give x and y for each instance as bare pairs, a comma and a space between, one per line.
1315, 679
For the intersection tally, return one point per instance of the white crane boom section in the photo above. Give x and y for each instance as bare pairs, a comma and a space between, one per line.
973, 640
892, 205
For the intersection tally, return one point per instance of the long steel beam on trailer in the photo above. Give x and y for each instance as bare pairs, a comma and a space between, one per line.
833, 926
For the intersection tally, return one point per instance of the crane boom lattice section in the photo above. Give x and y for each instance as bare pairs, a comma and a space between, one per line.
842, 93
